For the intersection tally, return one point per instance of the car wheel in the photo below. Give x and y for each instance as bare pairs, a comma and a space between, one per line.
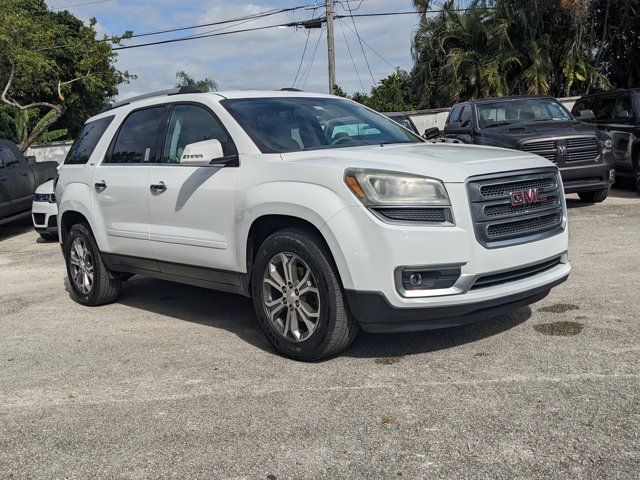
91, 282
49, 237
595, 196
298, 297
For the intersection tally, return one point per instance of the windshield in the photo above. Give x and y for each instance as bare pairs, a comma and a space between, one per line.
526, 110
292, 124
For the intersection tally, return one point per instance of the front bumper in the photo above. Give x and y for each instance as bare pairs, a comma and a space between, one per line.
376, 315
588, 178
44, 217
368, 253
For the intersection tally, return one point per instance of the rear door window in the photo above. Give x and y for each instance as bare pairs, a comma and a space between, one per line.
605, 108
86, 142
135, 142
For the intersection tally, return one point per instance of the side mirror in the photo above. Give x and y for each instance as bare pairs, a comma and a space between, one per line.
201, 153
31, 159
430, 133
585, 115
623, 115
454, 128
2, 164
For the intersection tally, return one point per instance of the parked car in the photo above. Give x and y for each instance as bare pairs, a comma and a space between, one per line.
252, 193
618, 114
404, 120
19, 177
540, 125
44, 211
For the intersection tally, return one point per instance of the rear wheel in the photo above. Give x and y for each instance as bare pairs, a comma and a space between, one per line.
595, 196
298, 298
91, 282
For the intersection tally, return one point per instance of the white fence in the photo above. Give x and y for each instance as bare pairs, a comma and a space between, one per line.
46, 152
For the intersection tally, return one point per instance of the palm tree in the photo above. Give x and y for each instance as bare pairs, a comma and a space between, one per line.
183, 79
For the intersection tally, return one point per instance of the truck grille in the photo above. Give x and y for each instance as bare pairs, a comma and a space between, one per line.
560, 150
419, 215
509, 209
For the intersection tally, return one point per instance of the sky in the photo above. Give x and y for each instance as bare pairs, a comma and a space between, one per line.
266, 59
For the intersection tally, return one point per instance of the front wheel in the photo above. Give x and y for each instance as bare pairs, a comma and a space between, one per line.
298, 297
91, 282
595, 196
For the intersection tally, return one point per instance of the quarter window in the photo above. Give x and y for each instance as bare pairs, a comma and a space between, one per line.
86, 142
136, 139
465, 116
454, 115
192, 124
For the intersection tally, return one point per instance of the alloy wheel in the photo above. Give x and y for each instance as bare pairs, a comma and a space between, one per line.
290, 297
81, 265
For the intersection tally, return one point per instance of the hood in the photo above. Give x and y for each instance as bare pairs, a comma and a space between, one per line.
512, 135
449, 162
46, 187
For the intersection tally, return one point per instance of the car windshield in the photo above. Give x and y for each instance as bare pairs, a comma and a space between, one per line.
292, 124
526, 110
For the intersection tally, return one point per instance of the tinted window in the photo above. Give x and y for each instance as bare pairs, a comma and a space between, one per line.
289, 124
6, 154
623, 105
454, 115
604, 111
465, 116
507, 112
191, 124
135, 141
86, 142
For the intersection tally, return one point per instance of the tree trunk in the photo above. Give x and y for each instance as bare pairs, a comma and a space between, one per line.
40, 129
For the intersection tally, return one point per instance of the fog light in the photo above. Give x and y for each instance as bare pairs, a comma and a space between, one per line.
428, 278
612, 174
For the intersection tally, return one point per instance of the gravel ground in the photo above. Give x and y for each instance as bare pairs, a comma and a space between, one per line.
178, 382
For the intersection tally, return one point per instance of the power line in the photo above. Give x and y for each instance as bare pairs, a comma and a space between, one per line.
366, 60
81, 4
313, 57
350, 55
304, 51
372, 49
389, 14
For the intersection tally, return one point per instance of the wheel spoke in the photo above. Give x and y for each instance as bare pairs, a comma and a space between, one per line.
274, 312
287, 324
309, 289
309, 324
305, 278
307, 310
73, 259
285, 266
273, 303
295, 328
273, 272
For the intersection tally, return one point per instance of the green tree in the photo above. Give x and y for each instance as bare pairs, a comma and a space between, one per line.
52, 63
183, 79
394, 93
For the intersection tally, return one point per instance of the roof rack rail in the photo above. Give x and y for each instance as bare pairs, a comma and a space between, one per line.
290, 89
160, 93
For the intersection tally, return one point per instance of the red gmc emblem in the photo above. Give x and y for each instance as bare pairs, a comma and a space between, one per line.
525, 197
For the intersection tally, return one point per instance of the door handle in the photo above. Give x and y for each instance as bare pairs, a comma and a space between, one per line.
100, 186
24, 174
158, 187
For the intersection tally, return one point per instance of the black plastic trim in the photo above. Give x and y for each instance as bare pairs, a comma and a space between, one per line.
375, 314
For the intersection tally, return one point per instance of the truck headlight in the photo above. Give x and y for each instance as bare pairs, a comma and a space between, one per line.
45, 197
382, 188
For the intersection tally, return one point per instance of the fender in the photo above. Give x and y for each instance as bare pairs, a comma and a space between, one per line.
77, 197
313, 203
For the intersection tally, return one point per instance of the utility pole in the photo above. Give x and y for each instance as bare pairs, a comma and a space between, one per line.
331, 47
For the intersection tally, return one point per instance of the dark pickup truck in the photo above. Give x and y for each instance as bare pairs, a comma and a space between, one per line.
19, 178
617, 113
540, 125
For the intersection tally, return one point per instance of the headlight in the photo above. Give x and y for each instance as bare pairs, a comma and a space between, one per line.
45, 197
376, 188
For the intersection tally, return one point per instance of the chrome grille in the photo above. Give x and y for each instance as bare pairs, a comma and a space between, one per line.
499, 221
560, 150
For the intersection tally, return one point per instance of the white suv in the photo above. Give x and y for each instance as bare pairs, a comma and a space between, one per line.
329, 215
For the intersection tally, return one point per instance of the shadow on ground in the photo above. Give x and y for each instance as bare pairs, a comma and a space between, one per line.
235, 314
15, 228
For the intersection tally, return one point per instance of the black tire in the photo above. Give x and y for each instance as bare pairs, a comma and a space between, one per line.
335, 328
595, 196
49, 237
105, 287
